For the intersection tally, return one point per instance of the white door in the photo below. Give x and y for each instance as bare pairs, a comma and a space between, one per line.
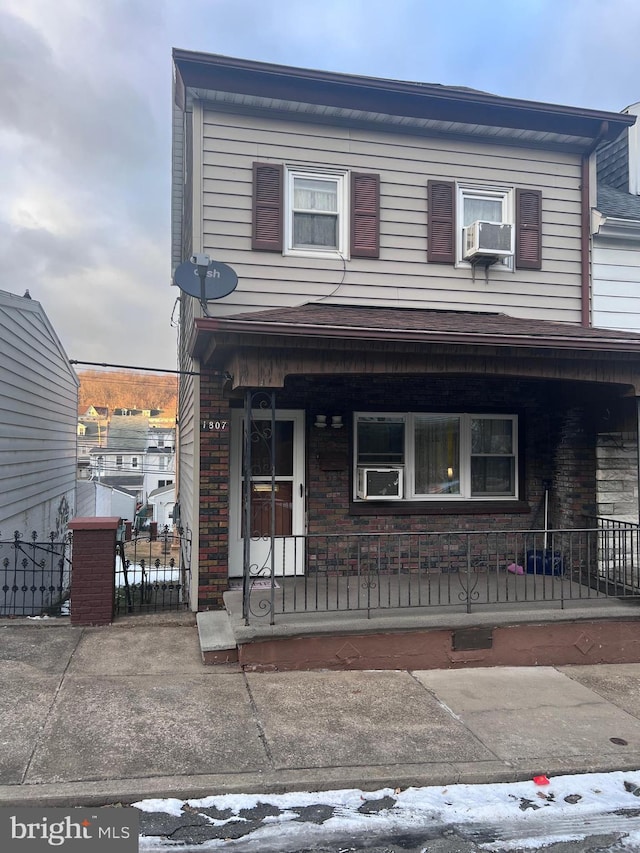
287, 557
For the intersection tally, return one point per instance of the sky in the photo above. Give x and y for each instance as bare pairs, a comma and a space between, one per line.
505, 816
85, 122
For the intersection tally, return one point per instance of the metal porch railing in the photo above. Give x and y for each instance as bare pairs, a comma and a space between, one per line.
460, 570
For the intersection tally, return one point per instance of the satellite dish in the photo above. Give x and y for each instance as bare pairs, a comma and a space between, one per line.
205, 279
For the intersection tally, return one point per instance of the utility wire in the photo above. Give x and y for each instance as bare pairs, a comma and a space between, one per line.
132, 367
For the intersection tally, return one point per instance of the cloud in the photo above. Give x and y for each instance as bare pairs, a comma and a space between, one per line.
84, 215
85, 120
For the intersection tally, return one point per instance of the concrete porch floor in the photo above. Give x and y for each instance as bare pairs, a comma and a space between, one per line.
530, 628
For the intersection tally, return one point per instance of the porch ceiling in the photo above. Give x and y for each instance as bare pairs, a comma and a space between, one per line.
261, 349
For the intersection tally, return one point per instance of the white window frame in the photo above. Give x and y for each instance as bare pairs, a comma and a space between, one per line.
408, 465
484, 191
342, 191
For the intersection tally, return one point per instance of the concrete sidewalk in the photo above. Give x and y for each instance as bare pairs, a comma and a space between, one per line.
91, 716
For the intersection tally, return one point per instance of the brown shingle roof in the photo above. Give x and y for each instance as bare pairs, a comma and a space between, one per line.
319, 319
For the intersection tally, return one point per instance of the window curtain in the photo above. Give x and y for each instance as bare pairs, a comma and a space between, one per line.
486, 209
437, 456
310, 229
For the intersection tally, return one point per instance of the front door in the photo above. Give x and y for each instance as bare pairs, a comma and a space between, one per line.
281, 499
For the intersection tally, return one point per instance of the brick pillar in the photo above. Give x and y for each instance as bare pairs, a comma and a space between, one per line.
214, 496
93, 575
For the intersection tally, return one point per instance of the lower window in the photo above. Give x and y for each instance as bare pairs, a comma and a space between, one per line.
425, 456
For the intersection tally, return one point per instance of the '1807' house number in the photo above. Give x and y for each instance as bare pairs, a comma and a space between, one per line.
214, 425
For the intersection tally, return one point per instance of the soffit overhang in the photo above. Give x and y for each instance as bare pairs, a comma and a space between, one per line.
348, 98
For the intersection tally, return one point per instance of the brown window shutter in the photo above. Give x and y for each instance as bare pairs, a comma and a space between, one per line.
528, 229
365, 215
268, 179
441, 229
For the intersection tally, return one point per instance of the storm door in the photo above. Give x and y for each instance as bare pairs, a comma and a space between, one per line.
275, 512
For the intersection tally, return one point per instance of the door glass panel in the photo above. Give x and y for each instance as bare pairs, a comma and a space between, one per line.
261, 507
261, 449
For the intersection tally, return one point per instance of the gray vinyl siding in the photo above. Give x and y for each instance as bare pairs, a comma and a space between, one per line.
188, 420
38, 414
616, 286
401, 277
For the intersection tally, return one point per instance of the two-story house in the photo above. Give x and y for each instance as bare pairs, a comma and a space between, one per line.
38, 424
409, 350
616, 299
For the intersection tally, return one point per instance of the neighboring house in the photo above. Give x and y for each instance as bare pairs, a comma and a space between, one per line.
100, 413
423, 372
162, 501
159, 470
616, 243
97, 499
138, 457
616, 300
91, 434
38, 423
121, 463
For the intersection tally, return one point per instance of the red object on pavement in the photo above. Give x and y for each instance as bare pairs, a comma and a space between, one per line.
541, 780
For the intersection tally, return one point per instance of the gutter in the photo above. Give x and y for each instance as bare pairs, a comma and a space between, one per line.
585, 228
618, 228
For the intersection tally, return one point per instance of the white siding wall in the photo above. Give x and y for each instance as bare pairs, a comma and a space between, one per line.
616, 285
97, 500
617, 476
401, 277
38, 422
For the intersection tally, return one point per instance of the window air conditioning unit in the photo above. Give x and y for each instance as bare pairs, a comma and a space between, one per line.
487, 240
380, 484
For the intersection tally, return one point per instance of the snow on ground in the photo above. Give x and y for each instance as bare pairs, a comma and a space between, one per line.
151, 574
534, 814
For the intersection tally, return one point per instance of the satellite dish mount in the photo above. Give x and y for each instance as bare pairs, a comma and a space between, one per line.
205, 279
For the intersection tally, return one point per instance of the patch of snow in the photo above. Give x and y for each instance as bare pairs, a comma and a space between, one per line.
524, 811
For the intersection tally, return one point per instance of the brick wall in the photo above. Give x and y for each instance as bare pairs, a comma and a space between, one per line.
214, 496
573, 483
330, 490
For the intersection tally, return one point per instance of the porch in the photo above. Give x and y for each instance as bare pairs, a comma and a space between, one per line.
438, 599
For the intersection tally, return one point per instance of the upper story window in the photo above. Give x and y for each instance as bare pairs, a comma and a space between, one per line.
134, 461
485, 204
453, 206
315, 212
316, 209
425, 456
118, 461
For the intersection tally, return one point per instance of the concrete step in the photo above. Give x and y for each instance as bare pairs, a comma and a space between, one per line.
217, 641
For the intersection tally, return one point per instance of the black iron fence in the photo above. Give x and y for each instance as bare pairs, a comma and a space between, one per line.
453, 569
36, 575
153, 571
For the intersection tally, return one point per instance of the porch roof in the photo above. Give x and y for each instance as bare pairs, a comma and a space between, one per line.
333, 321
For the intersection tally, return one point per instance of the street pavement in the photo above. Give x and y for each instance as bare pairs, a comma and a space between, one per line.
93, 716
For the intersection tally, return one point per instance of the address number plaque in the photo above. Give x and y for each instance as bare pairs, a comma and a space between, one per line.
214, 425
